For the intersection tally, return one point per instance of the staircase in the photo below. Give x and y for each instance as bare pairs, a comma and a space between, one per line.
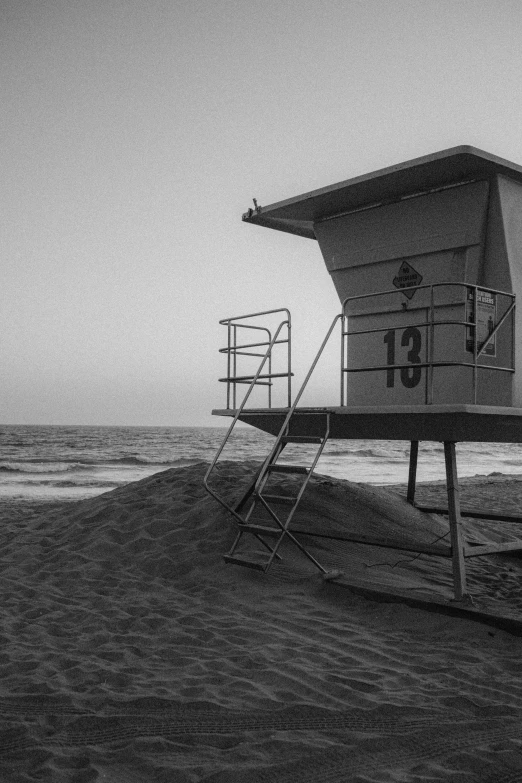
264, 515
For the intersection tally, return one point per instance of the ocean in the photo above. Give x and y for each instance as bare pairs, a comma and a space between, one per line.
72, 463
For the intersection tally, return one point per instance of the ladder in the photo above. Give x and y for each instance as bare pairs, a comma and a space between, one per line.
262, 501
278, 510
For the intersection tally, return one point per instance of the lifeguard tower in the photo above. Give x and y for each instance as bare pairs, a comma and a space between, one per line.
426, 257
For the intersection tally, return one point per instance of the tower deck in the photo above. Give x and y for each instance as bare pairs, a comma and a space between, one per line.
458, 423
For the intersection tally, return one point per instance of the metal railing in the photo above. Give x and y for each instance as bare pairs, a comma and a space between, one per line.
430, 324
233, 350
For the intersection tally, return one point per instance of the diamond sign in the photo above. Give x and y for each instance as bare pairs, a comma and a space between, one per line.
407, 277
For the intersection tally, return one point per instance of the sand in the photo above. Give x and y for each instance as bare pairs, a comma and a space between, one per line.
131, 652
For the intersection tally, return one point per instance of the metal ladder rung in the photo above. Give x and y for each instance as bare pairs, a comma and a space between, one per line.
258, 565
263, 529
275, 468
283, 499
301, 439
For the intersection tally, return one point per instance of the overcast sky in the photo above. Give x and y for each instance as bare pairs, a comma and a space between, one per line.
135, 134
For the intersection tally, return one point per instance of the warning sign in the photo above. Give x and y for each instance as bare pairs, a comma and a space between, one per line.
406, 278
485, 321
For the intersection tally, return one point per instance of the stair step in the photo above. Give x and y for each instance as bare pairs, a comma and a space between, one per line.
283, 499
267, 531
300, 439
288, 469
257, 564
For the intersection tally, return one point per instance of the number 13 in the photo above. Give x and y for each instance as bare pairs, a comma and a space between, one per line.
410, 376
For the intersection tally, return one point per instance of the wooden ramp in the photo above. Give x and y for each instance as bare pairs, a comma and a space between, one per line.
495, 582
402, 574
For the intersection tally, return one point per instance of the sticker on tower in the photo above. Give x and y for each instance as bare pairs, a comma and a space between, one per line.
485, 321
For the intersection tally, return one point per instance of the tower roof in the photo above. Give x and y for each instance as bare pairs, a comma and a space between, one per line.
439, 170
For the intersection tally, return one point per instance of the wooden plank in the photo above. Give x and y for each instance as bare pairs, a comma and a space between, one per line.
476, 550
246, 563
472, 514
385, 543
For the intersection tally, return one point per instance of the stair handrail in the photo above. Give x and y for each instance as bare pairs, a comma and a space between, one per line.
292, 408
239, 410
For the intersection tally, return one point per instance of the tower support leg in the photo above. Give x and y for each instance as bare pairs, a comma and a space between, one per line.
412, 476
455, 522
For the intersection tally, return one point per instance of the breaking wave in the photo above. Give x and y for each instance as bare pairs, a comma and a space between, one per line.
67, 467
40, 467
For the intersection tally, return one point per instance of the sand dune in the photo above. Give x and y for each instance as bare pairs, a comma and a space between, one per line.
132, 652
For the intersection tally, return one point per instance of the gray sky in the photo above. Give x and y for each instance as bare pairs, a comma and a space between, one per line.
134, 135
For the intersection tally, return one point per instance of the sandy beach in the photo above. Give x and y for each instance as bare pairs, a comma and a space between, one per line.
132, 652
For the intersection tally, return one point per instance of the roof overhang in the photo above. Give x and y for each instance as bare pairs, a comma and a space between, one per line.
431, 172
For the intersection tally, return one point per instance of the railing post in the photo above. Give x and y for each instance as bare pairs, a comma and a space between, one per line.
343, 357
431, 355
229, 360
412, 475
234, 364
270, 379
475, 345
289, 361
455, 522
